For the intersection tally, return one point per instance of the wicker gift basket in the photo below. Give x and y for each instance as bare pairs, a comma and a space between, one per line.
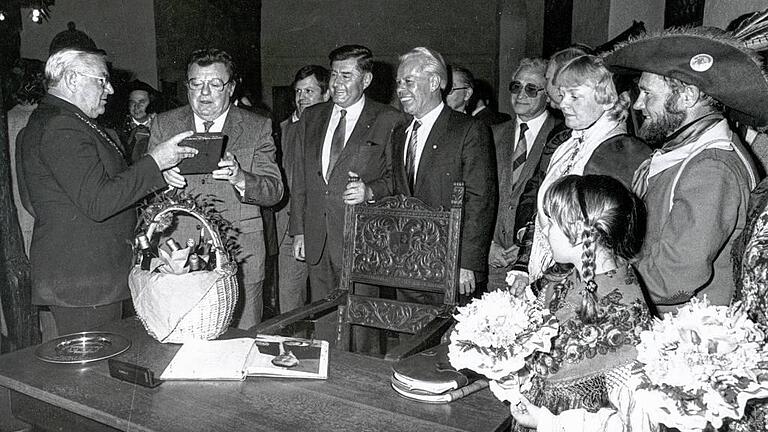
176, 308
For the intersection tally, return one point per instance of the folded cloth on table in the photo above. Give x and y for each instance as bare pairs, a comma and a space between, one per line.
162, 300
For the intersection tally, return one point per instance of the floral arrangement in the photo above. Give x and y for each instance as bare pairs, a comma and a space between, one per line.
494, 334
702, 366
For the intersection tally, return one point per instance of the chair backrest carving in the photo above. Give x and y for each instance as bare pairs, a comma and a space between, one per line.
403, 243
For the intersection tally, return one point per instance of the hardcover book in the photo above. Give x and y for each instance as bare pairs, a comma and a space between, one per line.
236, 359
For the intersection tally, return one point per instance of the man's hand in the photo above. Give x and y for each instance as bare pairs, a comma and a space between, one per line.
499, 257
169, 153
356, 192
174, 178
496, 256
229, 169
466, 281
298, 247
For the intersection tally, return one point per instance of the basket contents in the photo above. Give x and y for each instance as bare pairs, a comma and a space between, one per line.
182, 294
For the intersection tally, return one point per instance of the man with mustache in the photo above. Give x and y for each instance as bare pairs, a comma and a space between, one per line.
75, 181
696, 186
440, 146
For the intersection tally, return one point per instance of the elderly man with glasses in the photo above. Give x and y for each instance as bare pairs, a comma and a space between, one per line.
521, 163
74, 180
247, 176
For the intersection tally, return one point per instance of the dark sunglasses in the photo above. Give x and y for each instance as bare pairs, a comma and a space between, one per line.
530, 90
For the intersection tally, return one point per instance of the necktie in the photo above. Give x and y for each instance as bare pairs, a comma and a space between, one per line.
207, 125
337, 143
519, 155
410, 155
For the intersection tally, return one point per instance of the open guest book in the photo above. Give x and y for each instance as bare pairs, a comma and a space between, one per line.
236, 359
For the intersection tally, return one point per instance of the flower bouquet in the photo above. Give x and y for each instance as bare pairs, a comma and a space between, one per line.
702, 366
494, 334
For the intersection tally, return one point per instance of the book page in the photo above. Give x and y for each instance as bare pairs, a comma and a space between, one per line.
310, 357
210, 360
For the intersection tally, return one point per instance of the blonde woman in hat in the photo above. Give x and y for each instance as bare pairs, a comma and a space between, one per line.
598, 142
697, 185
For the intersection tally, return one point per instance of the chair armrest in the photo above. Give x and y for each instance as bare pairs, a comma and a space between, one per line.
320, 307
428, 337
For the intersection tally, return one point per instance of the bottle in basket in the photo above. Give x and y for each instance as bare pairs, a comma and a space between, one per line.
172, 245
195, 263
146, 252
211, 256
191, 247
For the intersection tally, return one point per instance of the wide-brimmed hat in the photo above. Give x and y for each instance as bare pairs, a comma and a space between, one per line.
707, 57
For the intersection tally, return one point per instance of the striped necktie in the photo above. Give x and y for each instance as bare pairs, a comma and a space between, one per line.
207, 125
410, 156
519, 155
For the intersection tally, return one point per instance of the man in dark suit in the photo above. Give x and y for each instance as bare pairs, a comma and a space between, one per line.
248, 176
440, 146
345, 138
521, 161
310, 88
75, 181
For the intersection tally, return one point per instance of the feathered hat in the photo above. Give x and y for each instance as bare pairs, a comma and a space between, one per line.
707, 57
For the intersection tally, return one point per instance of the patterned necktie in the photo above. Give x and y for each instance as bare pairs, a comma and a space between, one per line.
337, 143
410, 156
519, 155
207, 125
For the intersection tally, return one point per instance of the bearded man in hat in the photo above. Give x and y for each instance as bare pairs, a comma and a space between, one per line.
696, 186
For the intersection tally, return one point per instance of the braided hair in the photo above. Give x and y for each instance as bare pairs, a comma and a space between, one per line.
596, 210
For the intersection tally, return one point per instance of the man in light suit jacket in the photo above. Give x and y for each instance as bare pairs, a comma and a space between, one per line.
345, 138
520, 156
310, 87
247, 178
73, 178
449, 146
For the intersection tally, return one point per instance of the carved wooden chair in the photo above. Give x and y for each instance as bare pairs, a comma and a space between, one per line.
396, 242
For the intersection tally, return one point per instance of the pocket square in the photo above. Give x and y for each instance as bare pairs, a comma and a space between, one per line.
371, 143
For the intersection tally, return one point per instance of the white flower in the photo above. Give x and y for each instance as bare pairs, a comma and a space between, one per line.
712, 354
495, 333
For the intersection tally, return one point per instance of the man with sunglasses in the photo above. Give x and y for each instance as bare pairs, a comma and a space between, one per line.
75, 181
247, 177
521, 162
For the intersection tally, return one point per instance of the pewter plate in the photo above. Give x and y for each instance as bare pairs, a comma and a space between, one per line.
82, 347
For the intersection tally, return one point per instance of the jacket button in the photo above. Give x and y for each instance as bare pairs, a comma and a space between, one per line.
202, 181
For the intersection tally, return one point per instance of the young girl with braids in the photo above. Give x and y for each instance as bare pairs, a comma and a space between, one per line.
584, 383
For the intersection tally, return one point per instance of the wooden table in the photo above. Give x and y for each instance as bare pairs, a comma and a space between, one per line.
356, 397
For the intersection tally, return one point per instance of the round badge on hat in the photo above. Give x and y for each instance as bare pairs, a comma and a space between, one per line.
701, 62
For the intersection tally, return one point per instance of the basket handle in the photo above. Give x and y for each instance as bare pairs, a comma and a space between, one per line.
221, 255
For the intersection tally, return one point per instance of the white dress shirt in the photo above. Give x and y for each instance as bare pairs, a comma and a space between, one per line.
422, 134
534, 126
353, 113
218, 124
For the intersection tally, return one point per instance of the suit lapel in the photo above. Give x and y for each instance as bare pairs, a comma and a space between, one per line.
532, 160
232, 128
398, 153
355, 140
432, 144
318, 130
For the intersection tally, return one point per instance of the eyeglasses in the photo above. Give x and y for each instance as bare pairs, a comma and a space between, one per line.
103, 80
457, 89
530, 90
215, 84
